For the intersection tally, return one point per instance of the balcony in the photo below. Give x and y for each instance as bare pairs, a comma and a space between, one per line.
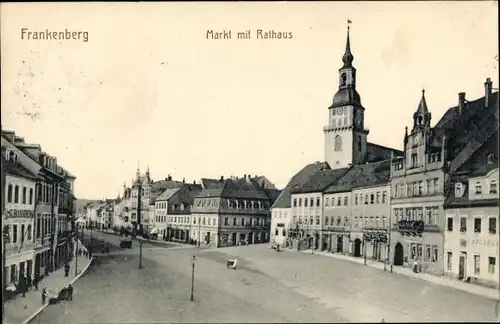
410, 227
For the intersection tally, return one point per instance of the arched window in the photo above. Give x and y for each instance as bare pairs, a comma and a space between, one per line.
493, 186
24, 195
338, 143
491, 158
343, 79
16, 194
458, 189
9, 194
11, 155
326, 220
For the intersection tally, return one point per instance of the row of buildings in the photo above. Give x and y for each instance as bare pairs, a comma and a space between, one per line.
37, 210
217, 212
434, 204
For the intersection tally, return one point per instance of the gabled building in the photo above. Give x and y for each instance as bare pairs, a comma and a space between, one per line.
173, 212
433, 157
231, 211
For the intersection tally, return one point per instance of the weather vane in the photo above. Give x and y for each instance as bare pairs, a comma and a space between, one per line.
349, 22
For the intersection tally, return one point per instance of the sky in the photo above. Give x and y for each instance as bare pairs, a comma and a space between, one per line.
148, 87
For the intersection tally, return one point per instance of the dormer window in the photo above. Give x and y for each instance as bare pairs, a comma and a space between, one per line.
493, 187
490, 158
479, 189
458, 190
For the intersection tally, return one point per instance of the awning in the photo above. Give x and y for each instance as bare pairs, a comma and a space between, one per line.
154, 231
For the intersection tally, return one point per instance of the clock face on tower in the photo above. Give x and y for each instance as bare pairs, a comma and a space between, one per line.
415, 140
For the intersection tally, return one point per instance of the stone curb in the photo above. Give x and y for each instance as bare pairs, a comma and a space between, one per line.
35, 314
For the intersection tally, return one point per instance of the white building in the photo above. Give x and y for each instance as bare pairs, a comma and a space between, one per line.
471, 237
281, 223
18, 218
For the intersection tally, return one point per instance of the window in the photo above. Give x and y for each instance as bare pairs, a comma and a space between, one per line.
450, 224
463, 224
295, 202
16, 194
326, 220
311, 221
414, 160
361, 199
14, 233
339, 221
372, 198
9, 193
305, 202
490, 158
449, 262
317, 220
311, 202
338, 143
318, 202
284, 232
327, 202
477, 264
24, 195
479, 189
332, 220
493, 187
420, 188
378, 197
492, 225
29, 232
235, 222
436, 186
339, 201
458, 189
434, 253
491, 264
477, 225
23, 228
276, 232
346, 201
356, 199
242, 222
427, 253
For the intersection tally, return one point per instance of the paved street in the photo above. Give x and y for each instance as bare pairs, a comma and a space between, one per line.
267, 287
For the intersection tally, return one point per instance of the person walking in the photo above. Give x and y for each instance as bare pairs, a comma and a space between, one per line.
44, 296
35, 281
23, 285
70, 292
28, 281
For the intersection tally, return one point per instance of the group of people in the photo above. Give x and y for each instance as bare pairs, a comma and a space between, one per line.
25, 283
64, 294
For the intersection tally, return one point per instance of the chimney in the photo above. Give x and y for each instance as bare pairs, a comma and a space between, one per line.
488, 87
245, 176
461, 101
194, 182
183, 180
221, 178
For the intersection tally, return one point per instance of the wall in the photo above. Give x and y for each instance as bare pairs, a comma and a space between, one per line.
283, 217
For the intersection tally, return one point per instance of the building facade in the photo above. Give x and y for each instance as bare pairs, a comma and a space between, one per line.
281, 224
233, 211
471, 207
51, 177
420, 178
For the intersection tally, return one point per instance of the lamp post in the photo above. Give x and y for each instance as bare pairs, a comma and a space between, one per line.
140, 252
364, 247
193, 259
199, 231
76, 254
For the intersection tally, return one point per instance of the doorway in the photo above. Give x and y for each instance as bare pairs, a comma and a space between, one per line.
207, 238
340, 244
357, 247
250, 238
233, 239
462, 261
398, 254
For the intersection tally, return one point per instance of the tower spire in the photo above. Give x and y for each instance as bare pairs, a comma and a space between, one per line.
348, 57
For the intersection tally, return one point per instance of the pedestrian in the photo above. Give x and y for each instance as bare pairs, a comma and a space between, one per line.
66, 269
70, 292
28, 280
44, 296
22, 285
35, 281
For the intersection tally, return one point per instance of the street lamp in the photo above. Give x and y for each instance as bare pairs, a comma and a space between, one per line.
193, 259
140, 251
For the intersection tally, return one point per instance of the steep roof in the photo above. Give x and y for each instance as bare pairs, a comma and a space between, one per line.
244, 188
466, 129
18, 170
301, 177
375, 152
167, 194
362, 175
320, 180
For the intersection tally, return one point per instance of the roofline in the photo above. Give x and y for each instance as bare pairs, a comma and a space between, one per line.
386, 147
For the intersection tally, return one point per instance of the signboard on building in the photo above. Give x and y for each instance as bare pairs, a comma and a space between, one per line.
15, 213
482, 242
413, 239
